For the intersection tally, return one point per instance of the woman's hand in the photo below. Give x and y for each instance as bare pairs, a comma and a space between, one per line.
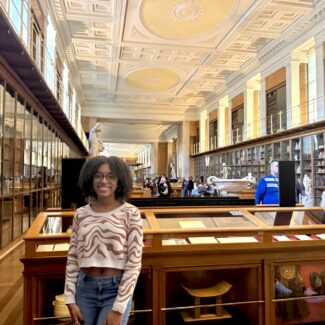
75, 314
113, 318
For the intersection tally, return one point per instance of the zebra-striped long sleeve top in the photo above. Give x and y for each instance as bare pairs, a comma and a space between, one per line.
106, 239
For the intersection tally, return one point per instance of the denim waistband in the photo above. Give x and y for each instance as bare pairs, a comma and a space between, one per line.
83, 277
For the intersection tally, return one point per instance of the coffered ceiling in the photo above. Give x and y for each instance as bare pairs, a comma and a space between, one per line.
140, 67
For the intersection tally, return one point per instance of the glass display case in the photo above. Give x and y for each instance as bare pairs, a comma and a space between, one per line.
189, 273
319, 167
30, 162
299, 292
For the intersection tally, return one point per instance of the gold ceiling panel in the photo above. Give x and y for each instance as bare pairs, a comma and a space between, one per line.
153, 79
183, 19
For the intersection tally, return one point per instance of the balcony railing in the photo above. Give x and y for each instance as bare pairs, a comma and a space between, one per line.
314, 112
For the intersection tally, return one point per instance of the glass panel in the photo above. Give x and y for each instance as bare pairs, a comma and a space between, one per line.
19, 148
26, 209
240, 293
249, 154
261, 162
277, 151
59, 159
15, 14
27, 149
293, 282
2, 94
285, 150
6, 219
33, 207
57, 198
18, 216
296, 157
269, 153
9, 111
49, 158
45, 155
255, 158
35, 199
203, 220
9, 135
53, 225
142, 300
37, 152
319, 167
25, 25
40, 149
306, 166
292, 218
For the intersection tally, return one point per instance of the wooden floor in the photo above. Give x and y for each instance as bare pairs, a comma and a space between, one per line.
11, 286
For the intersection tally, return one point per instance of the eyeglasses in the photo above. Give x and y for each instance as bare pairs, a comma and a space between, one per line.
108, 177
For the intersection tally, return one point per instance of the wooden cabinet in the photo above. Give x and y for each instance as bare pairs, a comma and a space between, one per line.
198, 248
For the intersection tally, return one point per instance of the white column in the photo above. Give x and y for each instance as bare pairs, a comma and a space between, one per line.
78, 126
151, 160
248, 113
73, 111
184, 150
293, 93
262, 121
203, 130
224, 135
320, 82
221, 126
65, 83
154, 166
50, 49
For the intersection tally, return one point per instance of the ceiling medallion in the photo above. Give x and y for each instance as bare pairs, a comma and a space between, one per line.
186, 10
185, 19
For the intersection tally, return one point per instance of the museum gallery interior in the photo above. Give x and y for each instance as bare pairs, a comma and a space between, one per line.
209, 90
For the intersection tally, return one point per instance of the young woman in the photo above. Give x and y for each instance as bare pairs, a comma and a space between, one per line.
104, 258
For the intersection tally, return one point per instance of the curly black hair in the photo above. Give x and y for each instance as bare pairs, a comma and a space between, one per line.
117, 166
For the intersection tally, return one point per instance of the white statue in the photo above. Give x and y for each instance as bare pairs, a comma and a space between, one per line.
308, 199
95, 140
307, 184
172, 171
224, 170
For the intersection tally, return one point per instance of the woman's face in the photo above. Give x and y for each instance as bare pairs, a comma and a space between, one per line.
104, 182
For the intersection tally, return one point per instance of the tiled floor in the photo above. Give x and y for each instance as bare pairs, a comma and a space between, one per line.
11, 287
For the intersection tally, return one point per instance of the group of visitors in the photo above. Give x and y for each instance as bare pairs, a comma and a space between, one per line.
187, 186
160, 186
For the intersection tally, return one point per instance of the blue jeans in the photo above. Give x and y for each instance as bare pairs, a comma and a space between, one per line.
95, 297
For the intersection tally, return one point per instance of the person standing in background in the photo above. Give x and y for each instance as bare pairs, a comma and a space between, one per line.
267, 191
104, 258
184, 187
190, 186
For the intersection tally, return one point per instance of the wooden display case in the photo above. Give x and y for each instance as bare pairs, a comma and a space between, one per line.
198, 248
